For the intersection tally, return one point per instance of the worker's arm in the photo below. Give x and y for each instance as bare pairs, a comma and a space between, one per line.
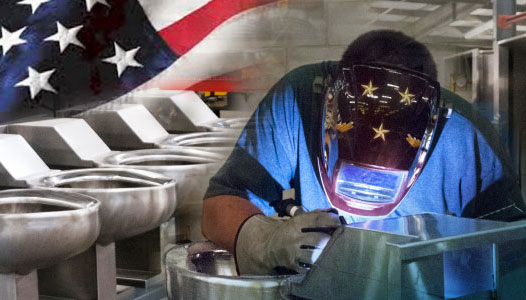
261, 243
223, 216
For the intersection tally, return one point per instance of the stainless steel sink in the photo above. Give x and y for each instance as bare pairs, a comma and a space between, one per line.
190, 168
226, 124
214, 141
204, 271
132, 201
39, 228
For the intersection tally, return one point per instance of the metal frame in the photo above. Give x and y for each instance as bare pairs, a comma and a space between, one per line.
511, 92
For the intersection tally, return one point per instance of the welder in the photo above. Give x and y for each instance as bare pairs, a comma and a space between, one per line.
370, 136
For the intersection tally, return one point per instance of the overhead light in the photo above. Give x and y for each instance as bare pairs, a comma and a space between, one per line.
404, 5
482, 12
390, 18
431, 7
411, 19
465, 23
475, 32
396, 18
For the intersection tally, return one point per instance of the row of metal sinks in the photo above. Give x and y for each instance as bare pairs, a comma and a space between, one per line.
105, 196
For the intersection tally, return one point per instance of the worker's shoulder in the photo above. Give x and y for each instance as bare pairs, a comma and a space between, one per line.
465, 112
307, 73
465, 119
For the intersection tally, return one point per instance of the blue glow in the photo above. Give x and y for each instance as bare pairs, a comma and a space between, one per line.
378, 186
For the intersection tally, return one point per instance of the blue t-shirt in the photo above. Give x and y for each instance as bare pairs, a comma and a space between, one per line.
468, 173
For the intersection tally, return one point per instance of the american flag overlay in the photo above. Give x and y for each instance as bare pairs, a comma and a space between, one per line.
62, 53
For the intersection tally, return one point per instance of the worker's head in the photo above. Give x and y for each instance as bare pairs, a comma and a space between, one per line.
390, 47
380, 115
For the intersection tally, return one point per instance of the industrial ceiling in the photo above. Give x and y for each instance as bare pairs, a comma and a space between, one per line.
463, 23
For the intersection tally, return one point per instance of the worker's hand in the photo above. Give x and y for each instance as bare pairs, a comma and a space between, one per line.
264, 243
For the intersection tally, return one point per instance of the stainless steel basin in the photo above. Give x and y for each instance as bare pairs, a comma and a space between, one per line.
204, 271
214, 141
39, 228
190, 168
132, 201
233, 124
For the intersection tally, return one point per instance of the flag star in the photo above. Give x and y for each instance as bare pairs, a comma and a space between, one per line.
65, 36
368, 89
380, 132
406, 97
91, 3
37, 82
34, 4
123, 59
10, 39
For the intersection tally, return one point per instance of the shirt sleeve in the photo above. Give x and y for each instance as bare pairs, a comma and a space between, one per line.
263, 161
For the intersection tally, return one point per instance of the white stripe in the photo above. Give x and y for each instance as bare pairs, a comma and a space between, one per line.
228, 48
163, 13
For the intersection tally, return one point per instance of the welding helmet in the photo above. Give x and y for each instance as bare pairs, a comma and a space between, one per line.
378, 124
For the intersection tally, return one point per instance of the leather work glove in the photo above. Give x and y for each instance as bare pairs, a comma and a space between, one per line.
264, 243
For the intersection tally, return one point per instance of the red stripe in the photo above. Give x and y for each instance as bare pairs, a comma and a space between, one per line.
184, 34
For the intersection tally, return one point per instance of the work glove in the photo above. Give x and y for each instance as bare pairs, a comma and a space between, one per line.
264, 243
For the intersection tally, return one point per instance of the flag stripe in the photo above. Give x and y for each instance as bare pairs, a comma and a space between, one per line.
184, 34
163, 13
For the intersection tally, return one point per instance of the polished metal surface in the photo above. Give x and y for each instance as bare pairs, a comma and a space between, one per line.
62, 142
18, 161
204, 271
176, 111
39, 228
190, 168
215, 141
132, 201
427, 256
223, 124
125, 126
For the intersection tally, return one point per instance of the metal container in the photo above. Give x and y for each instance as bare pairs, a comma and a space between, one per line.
190, 168
40, 228
132, 201
204, 271
214, 141
224, 124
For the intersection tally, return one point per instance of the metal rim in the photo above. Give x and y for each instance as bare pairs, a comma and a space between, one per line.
234, 123
132, 158
69, 200
187, 271
147, 180
193, 139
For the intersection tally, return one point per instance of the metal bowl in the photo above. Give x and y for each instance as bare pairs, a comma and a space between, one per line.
214, 141
39, 228
231, 125
132, 201
204, 271
190, 168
